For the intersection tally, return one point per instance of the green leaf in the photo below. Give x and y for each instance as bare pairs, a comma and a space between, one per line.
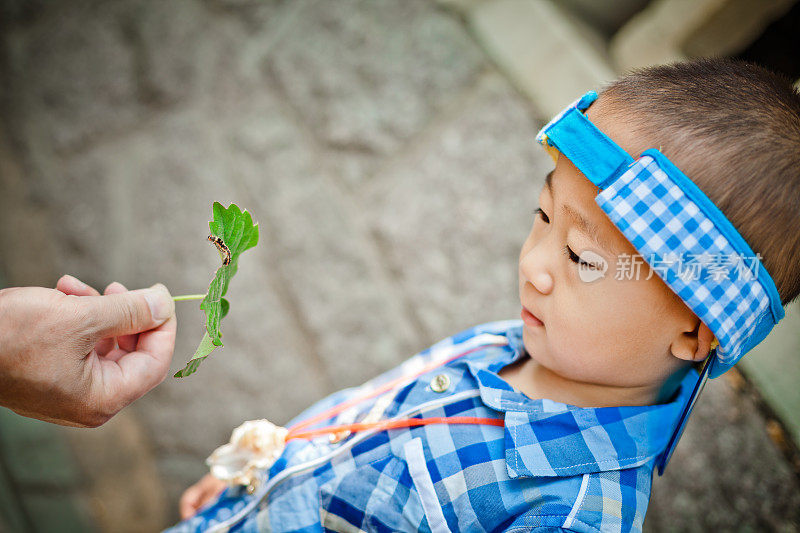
237, 231
205, 348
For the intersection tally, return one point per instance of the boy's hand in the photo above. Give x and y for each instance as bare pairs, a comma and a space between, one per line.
200, 494
73, 357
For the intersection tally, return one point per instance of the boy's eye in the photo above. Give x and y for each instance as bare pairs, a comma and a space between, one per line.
575, 258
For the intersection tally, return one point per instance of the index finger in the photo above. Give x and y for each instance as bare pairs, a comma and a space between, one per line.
131, 376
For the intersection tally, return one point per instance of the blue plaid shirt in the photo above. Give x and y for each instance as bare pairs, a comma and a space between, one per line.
552, 467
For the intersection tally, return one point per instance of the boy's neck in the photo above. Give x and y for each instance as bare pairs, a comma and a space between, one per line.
538, 382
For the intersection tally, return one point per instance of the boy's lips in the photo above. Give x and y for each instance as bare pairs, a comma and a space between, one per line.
529, 318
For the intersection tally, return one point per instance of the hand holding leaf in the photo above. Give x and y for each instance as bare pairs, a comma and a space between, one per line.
233, 232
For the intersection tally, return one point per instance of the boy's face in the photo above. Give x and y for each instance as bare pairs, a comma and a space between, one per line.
616, 330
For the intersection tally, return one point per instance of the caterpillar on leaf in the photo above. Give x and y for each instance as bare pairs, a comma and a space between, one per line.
226, 253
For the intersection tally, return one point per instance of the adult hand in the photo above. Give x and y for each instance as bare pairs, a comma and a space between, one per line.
73, 357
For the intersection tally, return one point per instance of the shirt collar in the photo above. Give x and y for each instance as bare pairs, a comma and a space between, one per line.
549, 438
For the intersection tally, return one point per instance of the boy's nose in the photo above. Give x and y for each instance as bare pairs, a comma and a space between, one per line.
535, 269
542, 281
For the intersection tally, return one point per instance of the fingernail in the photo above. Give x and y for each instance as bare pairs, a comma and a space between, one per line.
160, 302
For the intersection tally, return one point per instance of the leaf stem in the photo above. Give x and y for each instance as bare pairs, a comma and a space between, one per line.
187, 297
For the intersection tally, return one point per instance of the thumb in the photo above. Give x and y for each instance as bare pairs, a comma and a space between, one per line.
128, 312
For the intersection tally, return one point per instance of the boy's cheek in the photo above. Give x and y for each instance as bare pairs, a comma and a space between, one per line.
584, 351
578, 355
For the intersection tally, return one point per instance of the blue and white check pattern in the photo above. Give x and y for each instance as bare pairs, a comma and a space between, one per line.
552, 467
663, 223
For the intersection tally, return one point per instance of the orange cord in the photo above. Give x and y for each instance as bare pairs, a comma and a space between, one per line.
387, 386
397, 423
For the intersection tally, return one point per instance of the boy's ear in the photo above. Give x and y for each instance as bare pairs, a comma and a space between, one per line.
693, 345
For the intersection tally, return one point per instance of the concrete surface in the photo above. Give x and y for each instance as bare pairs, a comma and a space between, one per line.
393, 172
773, 368
551, 58
672, 30
39, 480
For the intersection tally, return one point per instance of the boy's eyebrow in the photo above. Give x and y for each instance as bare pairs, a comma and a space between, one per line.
585, 226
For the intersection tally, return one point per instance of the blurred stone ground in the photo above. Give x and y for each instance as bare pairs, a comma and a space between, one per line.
392, 169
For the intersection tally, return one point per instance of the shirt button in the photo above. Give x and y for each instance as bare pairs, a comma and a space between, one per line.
339, 435
440, 383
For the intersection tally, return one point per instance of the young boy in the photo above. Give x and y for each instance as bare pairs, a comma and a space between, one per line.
631, 274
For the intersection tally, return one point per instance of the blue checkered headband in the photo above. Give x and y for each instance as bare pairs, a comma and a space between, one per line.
676, 228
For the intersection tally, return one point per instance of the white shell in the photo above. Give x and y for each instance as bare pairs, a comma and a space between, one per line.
254, 446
